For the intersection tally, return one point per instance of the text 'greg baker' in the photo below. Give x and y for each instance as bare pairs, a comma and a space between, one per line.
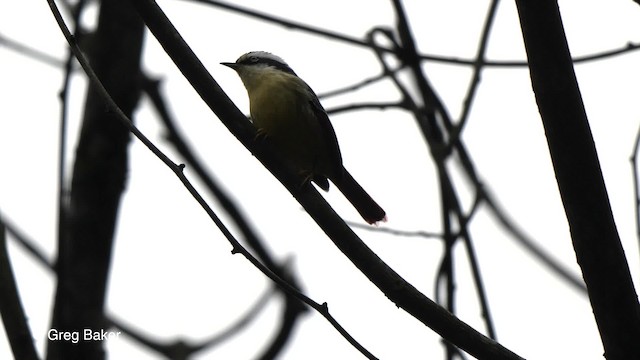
87, 335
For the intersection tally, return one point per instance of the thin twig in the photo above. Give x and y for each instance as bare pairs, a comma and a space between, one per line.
636, 182
409, 57
30, 52
11, 310
289, 24
427, 57
454, 137
367, 106
27, 244
446, 272
151, 88
477, 70
450, 202
358, 85
475, 267
178, 171
180, 349
531, 245
396, 232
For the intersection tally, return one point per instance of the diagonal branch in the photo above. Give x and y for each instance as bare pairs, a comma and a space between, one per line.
151, 88
244, 128
13, 316
293, 309
394, 287
30, 52
477, 70
582, 188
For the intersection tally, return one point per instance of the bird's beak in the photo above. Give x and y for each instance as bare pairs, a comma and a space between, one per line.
234, 66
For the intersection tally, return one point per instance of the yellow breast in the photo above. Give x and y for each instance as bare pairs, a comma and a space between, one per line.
280, 107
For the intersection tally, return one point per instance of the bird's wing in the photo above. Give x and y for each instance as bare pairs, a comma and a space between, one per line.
327, 132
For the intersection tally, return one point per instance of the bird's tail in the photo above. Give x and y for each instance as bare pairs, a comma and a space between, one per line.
370, 211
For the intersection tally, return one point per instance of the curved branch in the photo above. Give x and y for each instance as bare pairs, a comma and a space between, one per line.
182, 350
358, 85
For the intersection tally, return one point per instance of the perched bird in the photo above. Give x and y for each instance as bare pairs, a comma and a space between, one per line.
288, 113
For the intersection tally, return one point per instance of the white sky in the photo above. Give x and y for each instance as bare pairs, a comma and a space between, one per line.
173, 274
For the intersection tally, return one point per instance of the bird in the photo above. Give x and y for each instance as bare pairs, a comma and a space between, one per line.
289, 115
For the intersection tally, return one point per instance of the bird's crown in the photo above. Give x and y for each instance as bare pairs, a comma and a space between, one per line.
263, 58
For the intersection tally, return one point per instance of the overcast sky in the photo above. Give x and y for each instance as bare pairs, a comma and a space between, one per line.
173, 274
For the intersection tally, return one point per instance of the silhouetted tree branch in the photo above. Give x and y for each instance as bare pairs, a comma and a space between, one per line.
289, 24
293, 308
636, 182
582, 188
181, 349
13, 316
99, 176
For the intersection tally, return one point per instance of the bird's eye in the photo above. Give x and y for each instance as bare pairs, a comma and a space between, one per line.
253, 59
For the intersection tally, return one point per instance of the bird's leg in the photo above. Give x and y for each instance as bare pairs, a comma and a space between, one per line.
306, 176
261, 135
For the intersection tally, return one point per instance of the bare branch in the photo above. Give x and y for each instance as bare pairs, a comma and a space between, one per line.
427, 57
358, 85
530, 244
13, 316
30, 52
367, 106
180, 349
477, 70
396, 232
28, 244
577, 169
636, 182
